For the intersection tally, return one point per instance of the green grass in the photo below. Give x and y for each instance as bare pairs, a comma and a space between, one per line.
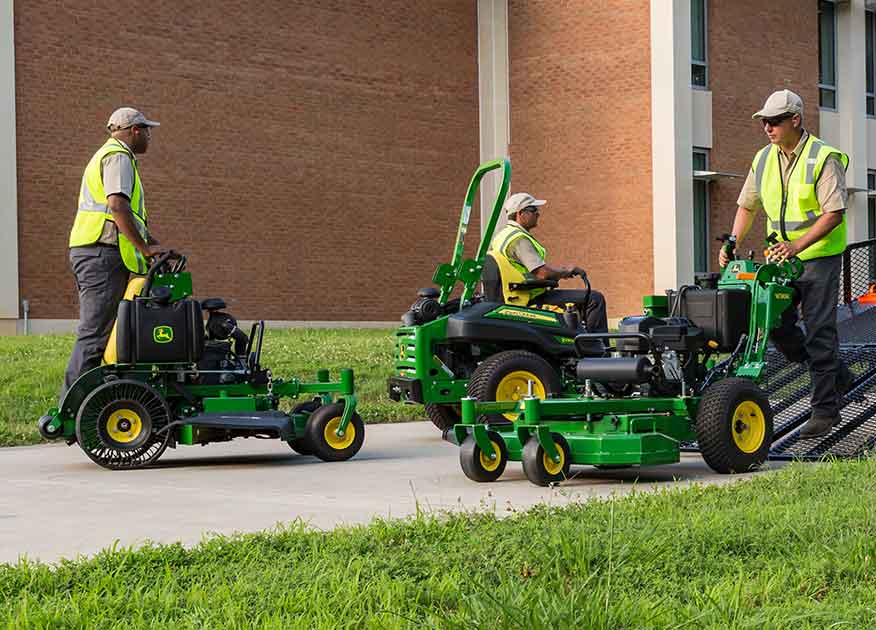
790, 550
33, 367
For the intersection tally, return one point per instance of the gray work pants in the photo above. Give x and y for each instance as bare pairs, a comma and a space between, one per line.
816, 293
101, 279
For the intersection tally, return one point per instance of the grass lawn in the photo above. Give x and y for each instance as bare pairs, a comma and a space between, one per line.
794, 549
33, 367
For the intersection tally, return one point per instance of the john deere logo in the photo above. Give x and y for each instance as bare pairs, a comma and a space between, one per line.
162, 334
783, 296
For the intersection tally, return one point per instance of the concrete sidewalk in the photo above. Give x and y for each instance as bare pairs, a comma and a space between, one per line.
57, 504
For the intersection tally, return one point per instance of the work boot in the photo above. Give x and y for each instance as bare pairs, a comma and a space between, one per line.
818, 426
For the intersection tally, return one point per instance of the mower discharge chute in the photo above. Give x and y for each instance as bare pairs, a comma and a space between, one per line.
171, 379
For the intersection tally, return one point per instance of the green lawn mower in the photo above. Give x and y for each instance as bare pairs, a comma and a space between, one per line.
169, 378
447, 345
685, 371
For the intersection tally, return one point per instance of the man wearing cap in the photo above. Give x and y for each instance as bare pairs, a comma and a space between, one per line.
799, 181
517, 250
109, 238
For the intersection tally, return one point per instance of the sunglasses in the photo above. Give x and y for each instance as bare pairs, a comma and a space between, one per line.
531, 209
776, 120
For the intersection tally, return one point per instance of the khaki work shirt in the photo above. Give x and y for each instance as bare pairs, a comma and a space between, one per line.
830, 189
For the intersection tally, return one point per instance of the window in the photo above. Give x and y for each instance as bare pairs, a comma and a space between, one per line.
698, 64
871, 63
701, 211
826, 54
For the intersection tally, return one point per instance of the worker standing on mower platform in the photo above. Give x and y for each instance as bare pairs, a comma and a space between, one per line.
515, 244
799, 181
109, 238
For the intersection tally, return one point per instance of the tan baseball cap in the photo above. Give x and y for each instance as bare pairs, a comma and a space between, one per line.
519, 201
125, 117
779, 103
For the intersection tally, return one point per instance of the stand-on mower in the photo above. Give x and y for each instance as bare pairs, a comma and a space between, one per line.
170, 379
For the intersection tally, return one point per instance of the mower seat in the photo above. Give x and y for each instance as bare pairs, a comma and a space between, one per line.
494, 284
491, 280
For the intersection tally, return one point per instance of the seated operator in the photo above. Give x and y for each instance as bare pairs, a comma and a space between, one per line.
518, 253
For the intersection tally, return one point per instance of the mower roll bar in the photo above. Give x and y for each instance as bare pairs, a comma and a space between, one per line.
468, 272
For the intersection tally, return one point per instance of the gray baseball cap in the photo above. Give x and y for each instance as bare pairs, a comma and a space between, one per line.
519, 201
780, 103
125, 117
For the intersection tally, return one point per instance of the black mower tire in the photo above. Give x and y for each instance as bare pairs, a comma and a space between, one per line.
443, 416
490, 374
479, 468
541, 470
121, 425
301, 445
327, 446
734, 426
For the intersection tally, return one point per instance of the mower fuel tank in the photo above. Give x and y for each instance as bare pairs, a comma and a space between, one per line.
723, 314
155, 333
614, 370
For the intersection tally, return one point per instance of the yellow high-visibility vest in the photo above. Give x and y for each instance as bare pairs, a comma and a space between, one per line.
93, 209
793, 211
510, 270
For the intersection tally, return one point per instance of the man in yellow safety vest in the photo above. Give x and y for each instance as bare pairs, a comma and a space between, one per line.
520, 257
799, 182
109, 238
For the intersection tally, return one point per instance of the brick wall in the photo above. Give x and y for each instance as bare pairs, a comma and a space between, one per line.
581, 136
754, 49
312, 157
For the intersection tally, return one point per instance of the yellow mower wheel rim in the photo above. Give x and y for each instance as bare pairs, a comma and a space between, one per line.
515, 386
550, 466
748, 426
116, 422
488, 464
330, 433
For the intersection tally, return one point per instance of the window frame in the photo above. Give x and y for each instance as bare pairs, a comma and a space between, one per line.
826, 86
704, 243
870, 62
704, 62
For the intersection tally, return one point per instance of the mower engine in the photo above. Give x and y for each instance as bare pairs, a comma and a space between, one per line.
659, 355
220, 364
662, 356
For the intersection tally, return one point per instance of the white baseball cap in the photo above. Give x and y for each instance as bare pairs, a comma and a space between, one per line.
780, 103
125, 117
519, 201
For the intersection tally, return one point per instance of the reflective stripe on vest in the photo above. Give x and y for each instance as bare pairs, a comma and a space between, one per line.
801, 207
93, 210
499, 247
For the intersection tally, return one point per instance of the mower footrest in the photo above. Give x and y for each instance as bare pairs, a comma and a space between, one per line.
268, 421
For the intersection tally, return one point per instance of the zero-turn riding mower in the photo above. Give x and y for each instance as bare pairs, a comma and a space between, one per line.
171, 379
447, 344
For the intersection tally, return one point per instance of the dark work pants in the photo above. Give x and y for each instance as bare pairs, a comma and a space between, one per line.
101, 278
815, 294
594, 316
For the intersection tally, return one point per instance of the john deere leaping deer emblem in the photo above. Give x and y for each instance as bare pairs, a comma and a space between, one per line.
162, 334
